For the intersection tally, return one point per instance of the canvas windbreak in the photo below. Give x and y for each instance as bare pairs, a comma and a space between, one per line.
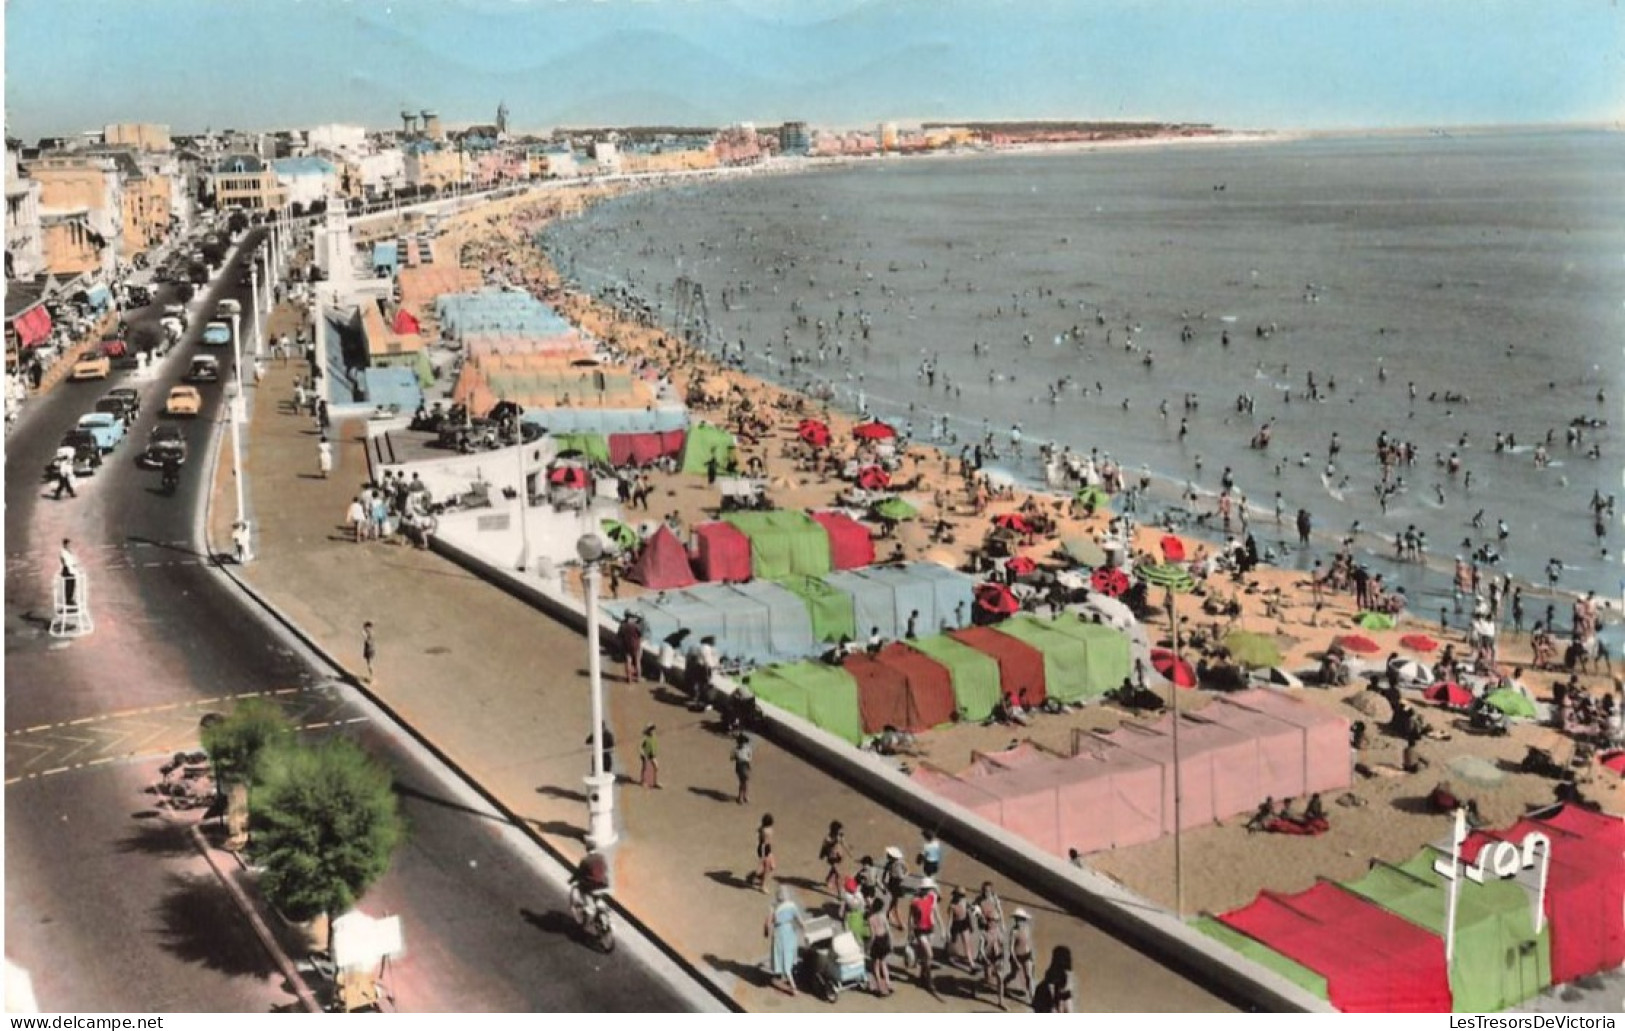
973, 674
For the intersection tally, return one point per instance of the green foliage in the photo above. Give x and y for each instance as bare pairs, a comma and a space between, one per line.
237, 743
325, 824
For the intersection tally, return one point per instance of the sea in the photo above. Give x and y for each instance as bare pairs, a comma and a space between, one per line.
1461, 293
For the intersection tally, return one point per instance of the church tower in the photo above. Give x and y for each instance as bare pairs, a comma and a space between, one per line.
502, 118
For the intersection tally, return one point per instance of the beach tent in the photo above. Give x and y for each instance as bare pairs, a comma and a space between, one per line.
1115, 802
1107, 653
930, 688
783, 543
1498, 959
643, 448
704, 613
1021, 666
722, 553
1372, 960
1071, 672
1512, 702
1284, 751
1585, 892
593, 445
789, 625
874, 605
1218, 768
1328, 764
822, 694
942, 596
704, 443
968, 794
849, 543
883, 696
829, 609
974, 675
1263, 955
663, 563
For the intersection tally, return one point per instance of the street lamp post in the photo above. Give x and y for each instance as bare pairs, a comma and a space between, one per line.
601, 785
254, 305
524, 508
238, 410
1179, 794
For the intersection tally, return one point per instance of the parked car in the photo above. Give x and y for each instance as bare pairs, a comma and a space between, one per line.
115, 348
217, 334
175, 311
227, 308
115, 407
165, 443
94, 365
205, 369
87, 457
183, 401
107, 428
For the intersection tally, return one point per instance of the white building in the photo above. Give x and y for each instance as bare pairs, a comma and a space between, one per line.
25, 241
349, 140
382, 171
307, 180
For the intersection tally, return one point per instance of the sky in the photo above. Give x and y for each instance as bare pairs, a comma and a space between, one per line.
73, 65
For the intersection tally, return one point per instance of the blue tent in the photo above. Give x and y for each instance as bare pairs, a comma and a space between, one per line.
942, 596
605, 421
386, 256
789, 624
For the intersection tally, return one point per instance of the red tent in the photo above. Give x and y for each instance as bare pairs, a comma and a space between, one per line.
1013, 521
663, 563
572, 476
722, 553
873, 431
643, 448
1615, 761
930, 687
1357, 643
405, 324
1372, 960
996, 599
1021, 565
1021, 666
849, 543
1450, 695
1173, 549
1585, 892
872, 477
882, 695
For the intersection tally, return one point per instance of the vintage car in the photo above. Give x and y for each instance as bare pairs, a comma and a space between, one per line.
167, 443
217, 334
95, 365
81, 447
106, 428
205, 368
183, 401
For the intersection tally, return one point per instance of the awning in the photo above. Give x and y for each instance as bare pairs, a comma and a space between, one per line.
99, 297
32, 326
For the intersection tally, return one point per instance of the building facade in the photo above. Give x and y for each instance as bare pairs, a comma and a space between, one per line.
436, 168
25, 240
144, 136
81, 211
304, 181
245, 181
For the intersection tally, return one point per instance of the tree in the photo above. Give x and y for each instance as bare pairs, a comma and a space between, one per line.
237, 223
317, 207
296, 209
326, 822
214, 252
238, 742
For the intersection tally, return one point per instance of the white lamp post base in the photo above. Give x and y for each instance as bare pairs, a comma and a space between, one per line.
601, 811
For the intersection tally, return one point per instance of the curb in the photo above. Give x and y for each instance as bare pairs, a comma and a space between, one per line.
268, 941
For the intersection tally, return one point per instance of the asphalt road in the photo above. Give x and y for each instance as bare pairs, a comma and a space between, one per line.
108, 908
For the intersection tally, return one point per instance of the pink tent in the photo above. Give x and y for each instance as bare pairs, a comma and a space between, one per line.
663, 563
1327, 760
849, 543
1117, 804
1217, 774
964, 793
1281, 755
992, 764
722, 553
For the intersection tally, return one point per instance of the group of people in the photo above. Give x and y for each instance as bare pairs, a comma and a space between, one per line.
395, 506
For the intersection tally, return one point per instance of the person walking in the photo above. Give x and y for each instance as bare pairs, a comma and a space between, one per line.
324, 455
930, 854
630, 637
356, 517
833, 853
64, 478
783, 929
68, 569
743, 753
649, 759
765, 861
1021, 952
1055, 992
922, 927
892, 879
988, 916
369, 647
879, 945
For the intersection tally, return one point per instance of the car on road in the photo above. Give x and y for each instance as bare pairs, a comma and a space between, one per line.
115, 348
94, 365
205, 369
217, 334
116, 407
227, 308
175, 311
106, 428
129, 397
137, 296
166, 443
183, 401
81, 447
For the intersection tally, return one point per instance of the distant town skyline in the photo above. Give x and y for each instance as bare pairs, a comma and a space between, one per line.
74, 65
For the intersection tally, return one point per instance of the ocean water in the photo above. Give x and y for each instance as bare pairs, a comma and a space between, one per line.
1054, 291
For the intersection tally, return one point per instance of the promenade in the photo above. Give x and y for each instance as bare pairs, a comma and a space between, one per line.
502, 692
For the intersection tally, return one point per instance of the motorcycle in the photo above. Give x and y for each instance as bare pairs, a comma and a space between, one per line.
171, 478
591, 911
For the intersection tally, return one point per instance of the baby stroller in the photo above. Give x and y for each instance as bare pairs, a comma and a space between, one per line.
831, 960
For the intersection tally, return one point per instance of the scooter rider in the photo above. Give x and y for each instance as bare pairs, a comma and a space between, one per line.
591, 878
172, 473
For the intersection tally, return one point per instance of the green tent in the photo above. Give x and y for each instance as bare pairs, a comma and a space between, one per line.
1375, 621
1251, 649
1070, 673
832, 612
975, 674
593, 445
895, 509
704, 442
1499, 960
1109, 658
1512, 702
1263, 955
820, 693
783, 543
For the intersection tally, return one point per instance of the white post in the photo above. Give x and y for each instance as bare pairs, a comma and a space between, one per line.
238, 408
601, 785
524, 509
254, 305
1451, 871
1179, 783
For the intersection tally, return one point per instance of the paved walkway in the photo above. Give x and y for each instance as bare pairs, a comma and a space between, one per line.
502, 691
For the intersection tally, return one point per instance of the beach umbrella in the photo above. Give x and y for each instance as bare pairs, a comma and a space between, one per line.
1615, 761
1110, 582
568, 476
1412, 672
1278, 677
895, 509
1418, 643
1166, 575
1173, 549
1253, 650
813, 432
1013, 521
872, 477
1093, 497
1084, 550
1357, 643
996, 599
873, 431
1449, 694
623, 536
1173, 667
1021, 565
1511, 702
1375, 620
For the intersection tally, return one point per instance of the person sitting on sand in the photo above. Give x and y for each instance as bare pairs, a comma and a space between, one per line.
1263, 816
1315, 811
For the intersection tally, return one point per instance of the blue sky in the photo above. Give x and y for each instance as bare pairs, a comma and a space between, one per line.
76, 64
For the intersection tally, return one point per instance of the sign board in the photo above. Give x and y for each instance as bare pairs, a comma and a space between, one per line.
362, 943
1497, 859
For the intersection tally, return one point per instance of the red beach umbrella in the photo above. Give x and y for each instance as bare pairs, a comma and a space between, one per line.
1418, 642
813, 432
874, 431
1013, 521
1108, 581
872, 477
1173, 667
1021, 565
997, 599
1358, 643
1449, 694
1615, 761
1173, 549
